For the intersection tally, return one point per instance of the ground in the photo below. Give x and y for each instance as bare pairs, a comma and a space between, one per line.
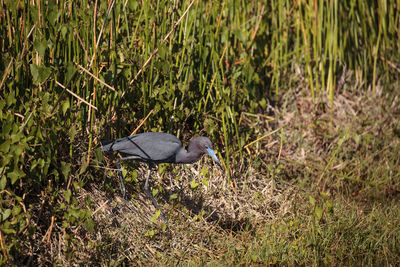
323, 188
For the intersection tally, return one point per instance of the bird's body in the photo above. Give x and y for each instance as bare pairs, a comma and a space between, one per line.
154, 148
147, 147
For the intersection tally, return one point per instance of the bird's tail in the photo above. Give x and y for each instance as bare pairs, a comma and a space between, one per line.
106, 146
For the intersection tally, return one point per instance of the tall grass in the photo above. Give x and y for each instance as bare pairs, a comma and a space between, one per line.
75, 72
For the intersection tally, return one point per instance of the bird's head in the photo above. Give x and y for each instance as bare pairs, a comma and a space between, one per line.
204, 145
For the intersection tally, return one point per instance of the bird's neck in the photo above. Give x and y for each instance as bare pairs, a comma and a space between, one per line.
184, 156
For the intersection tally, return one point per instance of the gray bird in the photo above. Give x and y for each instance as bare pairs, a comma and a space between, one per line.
153, 148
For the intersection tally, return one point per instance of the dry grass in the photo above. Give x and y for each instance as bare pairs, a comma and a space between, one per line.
198, 219
343, 154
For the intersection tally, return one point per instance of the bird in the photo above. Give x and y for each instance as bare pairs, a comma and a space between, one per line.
157, 147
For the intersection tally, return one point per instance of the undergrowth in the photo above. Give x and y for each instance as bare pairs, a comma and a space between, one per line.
300, 99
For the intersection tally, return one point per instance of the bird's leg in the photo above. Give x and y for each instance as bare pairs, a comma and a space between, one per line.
121, 178
149, 194
120, 173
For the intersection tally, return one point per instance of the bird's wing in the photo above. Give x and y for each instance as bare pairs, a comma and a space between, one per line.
157, 147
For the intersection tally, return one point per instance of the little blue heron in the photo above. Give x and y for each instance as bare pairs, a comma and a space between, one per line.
153, 148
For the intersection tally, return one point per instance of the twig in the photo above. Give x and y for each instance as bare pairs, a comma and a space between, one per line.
2, 246
69, 182
280, 147
151, 250
269, 118
99, 208
96, 78
72, 93
5, 191
94, 32
6, 72
26, 40
48, 232
163, 41
258, 24
82, 45
141, 123
101, 31
105, 21
391, 64
20, 56
262, 137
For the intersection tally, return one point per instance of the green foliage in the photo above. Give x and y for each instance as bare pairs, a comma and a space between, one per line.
222, 60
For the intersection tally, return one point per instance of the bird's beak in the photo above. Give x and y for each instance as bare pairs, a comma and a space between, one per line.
214, 157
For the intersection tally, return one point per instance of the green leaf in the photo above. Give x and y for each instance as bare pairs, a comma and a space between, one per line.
155, 217
151, 233
154, 192
7, 230
70, 71
162, 51
75, 212
204, 171
65, 106
329, 205
18, 149
193, 184
37, 162
34, 72
312, 200
16, 210
5, 214
5, 147
39, 73
72, 132
53, 12
64, 31
40, 46
89, 225
16, 175
3, 182
10, 99
98, 155
225, 35
263, 103
65, 169
84, 166
68, 196
318, 212
133, 4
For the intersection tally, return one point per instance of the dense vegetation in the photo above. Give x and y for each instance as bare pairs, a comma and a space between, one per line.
299, 97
